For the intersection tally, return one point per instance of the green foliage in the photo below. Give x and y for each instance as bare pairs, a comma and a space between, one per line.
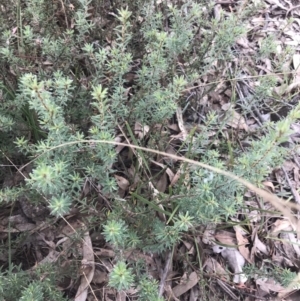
267, 47
115, 232
148, 289
284, 276
32, 292
39, 285
121, 277
71, 79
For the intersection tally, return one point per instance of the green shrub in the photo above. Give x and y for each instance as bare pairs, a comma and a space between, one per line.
68, 80
23, 286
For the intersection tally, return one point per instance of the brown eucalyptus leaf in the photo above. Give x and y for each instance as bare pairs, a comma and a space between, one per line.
100, 277
141, 130
242, 242
235, 120
296, 62
180, 289
181, 126
209, 234
88, 268
226, 238
162, 184
18, 228
269, 185
259, 246
280, 225
269, 284
105, 253
122, 182
121, 296
168, 171
212, 266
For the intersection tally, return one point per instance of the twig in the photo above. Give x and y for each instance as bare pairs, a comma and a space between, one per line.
294, 191
236, 79
246, 93
224, 2
64, 11
165, 273
297, 6
277, 202
296, 161
227, 290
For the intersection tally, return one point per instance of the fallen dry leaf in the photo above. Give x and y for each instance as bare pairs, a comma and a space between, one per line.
100, 277
212, 266
226, 238
296, 62
141, 130
18, 228
181, 126
242, 242
174, 127
121, 296
209, 233
269, 284
162, 183
122, 182
175, 178
105, 253
52, 256
180, 289
88, 268
189, 248
233, 118
260, 246
119, 148
170, 293
269, 185
280, 225
168, 171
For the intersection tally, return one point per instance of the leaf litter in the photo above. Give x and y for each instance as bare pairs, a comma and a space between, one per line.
269, 237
